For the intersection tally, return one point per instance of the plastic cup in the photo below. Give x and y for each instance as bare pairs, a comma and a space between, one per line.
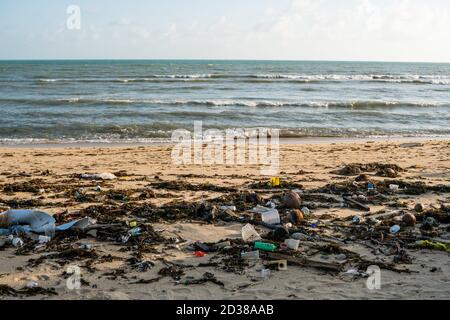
292, 244
271, 216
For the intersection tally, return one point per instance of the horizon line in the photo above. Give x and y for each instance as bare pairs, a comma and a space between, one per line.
222, 60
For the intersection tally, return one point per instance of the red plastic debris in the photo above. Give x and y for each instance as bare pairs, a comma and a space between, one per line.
199, 254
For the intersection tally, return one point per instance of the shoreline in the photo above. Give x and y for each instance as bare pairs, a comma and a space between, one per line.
283, 141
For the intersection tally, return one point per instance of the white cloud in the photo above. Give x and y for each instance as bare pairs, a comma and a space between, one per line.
314, 29
412, 30
372, 27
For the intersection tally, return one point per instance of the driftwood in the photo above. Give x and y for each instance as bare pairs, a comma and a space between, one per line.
389, 215
357, 204
305, 262
102, 226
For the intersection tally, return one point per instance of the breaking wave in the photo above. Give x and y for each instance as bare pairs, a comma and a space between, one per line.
161, 133
256, 78
224, 102
122, 100
419, 79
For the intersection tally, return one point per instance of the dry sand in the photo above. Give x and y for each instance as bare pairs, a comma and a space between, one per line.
307, 164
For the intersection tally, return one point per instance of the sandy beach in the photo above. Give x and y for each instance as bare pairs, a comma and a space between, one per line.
151, 192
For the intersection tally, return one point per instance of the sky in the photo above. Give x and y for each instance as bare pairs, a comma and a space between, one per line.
363, 30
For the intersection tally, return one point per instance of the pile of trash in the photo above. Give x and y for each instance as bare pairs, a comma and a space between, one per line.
279, 225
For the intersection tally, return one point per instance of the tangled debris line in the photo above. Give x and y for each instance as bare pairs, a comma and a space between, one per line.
280, 226
6, 290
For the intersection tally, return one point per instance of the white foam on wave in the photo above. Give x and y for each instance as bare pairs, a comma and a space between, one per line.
251, 103
183, 76
49, 80
407, 78
266, 103
388, 78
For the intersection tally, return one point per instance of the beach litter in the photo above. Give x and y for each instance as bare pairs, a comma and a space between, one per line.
265, 274
199, 254
275, 182
297, 216
394, 187
434, 245
271, 216
280, 265
27, 221
409, 219
265, 246
395, 229
99, 176
292, 200
33, 221
281, 226
292, 244
252, 255
419, 207
17, 242
6, 290
249, 234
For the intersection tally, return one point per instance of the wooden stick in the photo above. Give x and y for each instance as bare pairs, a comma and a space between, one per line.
305, 262
358, 204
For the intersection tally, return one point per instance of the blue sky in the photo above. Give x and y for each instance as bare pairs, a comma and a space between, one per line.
393, 30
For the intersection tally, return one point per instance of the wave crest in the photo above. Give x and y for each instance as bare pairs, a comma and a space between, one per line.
270, 77
225, 103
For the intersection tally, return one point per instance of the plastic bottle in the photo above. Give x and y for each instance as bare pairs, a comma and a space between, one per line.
252, 255
306, 211
44, 239
265, 246
49, 230
265, 273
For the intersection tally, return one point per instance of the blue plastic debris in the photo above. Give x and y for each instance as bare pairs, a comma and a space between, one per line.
34, 221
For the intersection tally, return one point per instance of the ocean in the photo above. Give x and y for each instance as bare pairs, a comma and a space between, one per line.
144, 101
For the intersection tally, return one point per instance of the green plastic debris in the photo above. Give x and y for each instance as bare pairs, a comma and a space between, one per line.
433, 245
265, 246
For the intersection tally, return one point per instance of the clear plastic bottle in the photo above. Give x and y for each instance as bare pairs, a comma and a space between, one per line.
265, 274
50, 230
